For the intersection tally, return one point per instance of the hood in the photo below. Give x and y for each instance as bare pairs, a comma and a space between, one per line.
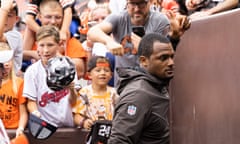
126, 75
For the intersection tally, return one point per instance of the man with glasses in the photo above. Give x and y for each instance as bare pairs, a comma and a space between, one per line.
124, 42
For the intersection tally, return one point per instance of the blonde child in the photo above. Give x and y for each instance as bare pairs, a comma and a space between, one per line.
95, 101
13, 110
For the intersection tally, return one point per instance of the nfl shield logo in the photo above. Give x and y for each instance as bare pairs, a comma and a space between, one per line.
131, 110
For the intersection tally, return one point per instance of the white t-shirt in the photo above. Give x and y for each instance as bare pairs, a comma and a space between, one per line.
54, 106
99, 49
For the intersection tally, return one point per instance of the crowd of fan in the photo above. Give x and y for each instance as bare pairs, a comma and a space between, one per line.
90, 33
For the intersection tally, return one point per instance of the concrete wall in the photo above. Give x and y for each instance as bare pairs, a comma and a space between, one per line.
205, 92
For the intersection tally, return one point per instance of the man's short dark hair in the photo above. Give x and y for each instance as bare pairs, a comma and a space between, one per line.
145, 47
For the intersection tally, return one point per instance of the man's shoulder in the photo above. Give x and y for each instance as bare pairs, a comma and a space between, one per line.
13, 35
138, 88
13, 32
158, 16
119, 16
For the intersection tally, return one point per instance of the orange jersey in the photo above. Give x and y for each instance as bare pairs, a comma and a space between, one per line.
75, 49
9, 103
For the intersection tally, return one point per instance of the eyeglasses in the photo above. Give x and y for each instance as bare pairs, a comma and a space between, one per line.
141, 4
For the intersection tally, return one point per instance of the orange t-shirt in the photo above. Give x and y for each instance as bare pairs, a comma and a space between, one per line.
74, 49
9, 103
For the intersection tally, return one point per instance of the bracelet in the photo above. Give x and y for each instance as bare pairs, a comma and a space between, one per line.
3, 9
21, 129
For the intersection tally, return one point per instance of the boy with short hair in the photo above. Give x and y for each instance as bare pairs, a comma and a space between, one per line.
32, 26
51, 13
96, 101
57, 109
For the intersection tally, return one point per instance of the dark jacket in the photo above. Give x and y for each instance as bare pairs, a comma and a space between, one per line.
140, 116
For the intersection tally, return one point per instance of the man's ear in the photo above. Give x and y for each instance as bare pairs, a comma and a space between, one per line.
143, 61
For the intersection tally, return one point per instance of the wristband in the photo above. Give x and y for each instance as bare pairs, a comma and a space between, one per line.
20, 129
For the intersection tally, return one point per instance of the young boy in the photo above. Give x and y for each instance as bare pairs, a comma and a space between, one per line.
8, 18
95, 101
33, 26
51, 13
57, 110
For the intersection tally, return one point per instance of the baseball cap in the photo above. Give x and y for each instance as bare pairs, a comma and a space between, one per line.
5, 55
98, 61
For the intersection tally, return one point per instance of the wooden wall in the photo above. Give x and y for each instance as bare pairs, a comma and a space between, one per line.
205, 91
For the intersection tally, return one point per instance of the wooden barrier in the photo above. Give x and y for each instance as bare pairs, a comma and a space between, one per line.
205, 91
61, 136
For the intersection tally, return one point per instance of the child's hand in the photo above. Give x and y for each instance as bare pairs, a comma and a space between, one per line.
19, 131
8, 4
63, 35
71, 85
87, 124
36, 113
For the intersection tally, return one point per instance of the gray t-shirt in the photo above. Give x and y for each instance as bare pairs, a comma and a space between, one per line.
122, 27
